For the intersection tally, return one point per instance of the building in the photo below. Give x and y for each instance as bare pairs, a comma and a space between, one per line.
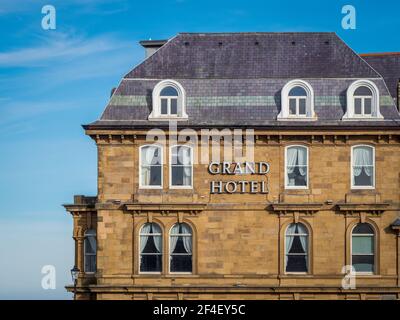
321, 194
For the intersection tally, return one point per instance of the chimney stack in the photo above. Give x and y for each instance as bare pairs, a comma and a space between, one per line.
152, 46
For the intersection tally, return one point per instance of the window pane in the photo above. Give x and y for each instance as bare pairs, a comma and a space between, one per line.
164, 106
151, 170
296, 263
362, 245
367, 106
363, 263
90, 245
151, 155
298, 92
181, 155
297, 245
181, 263
357, 106
302, 106
90, 263
150, 263
151, 244
169, 92
292, 106
363, 228
363, 169
297, 162
155, 176
177, 176
363, 179
363, 91
174, 106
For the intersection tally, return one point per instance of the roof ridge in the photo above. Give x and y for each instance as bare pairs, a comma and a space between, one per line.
374, 54
257, 32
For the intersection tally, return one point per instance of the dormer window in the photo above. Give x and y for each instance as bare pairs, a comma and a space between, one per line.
297, 101
362, 101
168, 101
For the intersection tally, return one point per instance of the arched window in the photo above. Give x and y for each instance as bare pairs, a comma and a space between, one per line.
151, 166
168, 101
297, 101
180, 247
363, 248
362, 101
296, 248
181, 162
296, 168
150, 248
90, 251
363, 167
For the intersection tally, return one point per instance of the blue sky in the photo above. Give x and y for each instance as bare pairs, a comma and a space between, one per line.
52, 81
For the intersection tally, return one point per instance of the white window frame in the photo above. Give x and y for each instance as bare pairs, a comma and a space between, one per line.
141, 186
169, 249
362, 98
308, 169
306, 254
297, 99
162, 249
354, 187
350, 97
171, 186
86, 235
285, 115
156, 99
375, 248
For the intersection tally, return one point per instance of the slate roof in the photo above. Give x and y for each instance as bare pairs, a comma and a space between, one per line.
234, 79
254, 55
388, 66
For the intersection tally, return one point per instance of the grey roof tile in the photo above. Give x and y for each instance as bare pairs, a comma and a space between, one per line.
277, 55
388, 65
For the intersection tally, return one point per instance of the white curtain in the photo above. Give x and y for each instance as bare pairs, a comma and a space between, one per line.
291, 159
187, 240
303, 239
157, 238
290, 236
151, 156
174, 237
362, 158
144, 236
302, 160
187, 162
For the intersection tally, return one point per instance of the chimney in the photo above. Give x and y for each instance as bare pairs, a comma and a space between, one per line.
152, 46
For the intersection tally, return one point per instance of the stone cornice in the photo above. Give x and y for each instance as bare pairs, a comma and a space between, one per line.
190, 208
290, 208
81, 204
312, 136
356, 208
79, 208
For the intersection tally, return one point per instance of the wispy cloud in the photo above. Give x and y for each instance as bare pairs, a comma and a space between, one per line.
59, 46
